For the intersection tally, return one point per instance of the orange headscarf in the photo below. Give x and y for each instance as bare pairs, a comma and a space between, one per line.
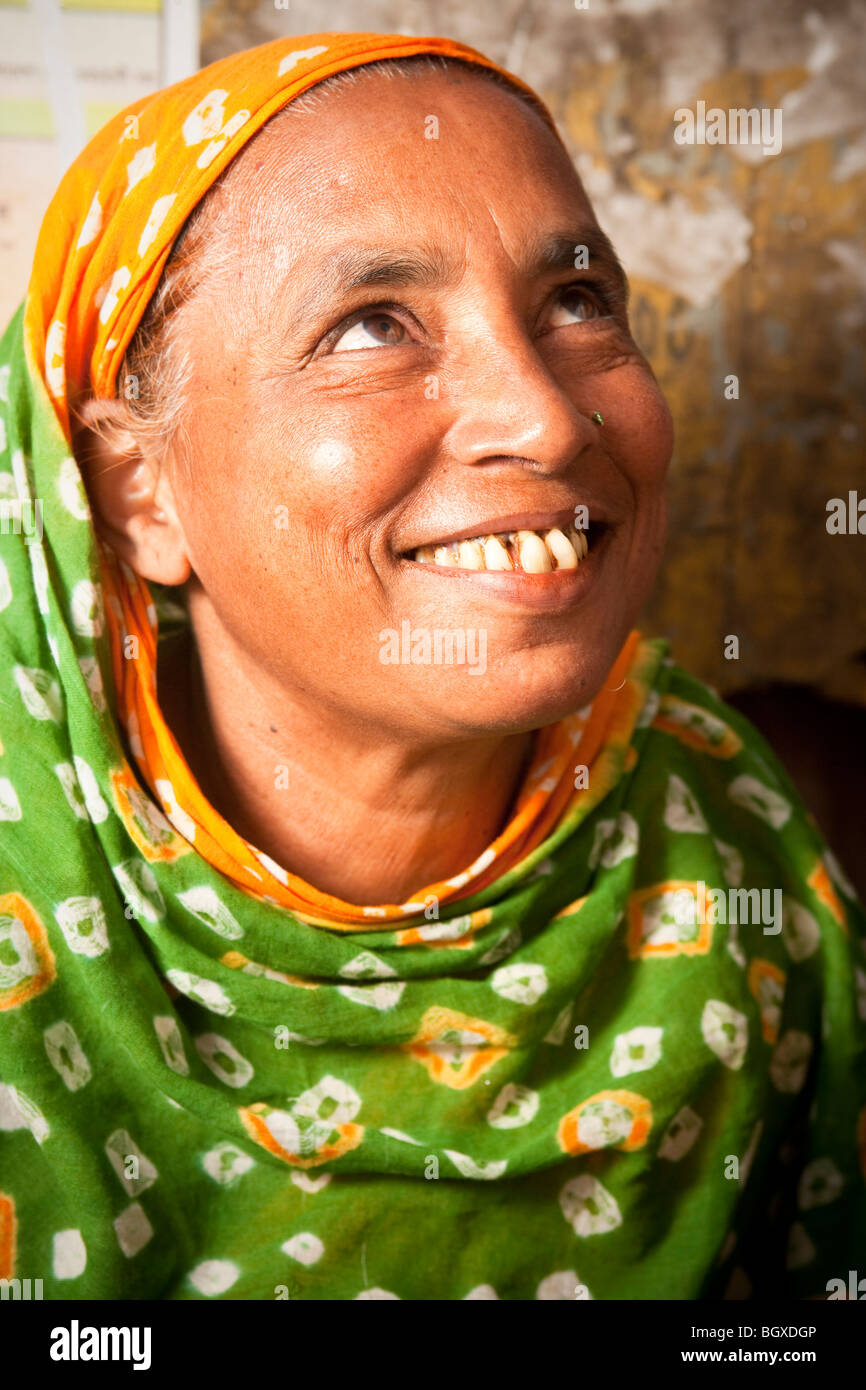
104, 242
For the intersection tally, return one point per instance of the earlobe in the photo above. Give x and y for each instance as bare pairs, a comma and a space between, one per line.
130, 494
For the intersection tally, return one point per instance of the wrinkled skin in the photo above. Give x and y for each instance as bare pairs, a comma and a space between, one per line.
325, 443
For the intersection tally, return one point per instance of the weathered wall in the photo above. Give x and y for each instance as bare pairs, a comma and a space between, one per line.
740, 263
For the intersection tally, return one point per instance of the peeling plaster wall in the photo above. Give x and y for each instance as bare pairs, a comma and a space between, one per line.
740, 264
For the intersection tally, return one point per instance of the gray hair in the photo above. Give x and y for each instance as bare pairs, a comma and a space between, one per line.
154, 375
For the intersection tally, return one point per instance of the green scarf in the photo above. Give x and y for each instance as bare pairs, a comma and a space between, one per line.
605, 1090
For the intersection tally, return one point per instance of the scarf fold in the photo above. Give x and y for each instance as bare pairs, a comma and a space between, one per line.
606, 1061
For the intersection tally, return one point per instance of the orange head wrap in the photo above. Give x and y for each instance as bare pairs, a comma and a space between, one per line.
103, 245
110, 227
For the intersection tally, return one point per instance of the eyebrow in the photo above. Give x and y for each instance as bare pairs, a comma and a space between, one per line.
355, 267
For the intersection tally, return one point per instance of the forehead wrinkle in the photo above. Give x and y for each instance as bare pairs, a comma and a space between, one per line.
354, 267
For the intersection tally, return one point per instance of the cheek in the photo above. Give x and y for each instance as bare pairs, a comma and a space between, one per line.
347, 458
299, 498
331, 461
641, 440
641, 427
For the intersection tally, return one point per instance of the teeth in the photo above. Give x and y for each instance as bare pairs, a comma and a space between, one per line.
531, 551
579, 541
470, 556
534, 554
496, 557
561, 549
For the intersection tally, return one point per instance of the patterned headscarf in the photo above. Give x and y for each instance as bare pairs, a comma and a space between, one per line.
103, 246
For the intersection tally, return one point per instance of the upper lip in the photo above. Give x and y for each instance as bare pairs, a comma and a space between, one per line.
515, 521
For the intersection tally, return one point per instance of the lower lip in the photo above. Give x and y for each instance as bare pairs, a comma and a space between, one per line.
547, 593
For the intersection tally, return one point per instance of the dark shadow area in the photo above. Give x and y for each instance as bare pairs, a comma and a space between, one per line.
823, 746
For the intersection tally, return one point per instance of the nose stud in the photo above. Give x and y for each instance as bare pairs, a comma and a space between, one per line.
597, 417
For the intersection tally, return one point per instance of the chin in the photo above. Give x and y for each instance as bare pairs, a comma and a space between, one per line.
527, 690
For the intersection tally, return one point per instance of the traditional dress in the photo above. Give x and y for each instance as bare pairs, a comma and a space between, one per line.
621, 1055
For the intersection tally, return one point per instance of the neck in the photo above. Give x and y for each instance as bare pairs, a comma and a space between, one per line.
365, 818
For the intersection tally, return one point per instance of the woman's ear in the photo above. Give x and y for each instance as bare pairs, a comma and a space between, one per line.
130, 493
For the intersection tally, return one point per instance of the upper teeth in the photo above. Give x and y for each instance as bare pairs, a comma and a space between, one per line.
535, 552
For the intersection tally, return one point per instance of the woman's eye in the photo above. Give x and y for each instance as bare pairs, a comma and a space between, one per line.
576, 305
376, 330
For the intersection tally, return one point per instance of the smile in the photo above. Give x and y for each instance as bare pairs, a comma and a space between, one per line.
525, 551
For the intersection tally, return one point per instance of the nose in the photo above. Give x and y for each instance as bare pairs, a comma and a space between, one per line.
510, 409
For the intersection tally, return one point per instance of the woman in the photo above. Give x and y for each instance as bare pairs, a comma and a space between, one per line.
382, 917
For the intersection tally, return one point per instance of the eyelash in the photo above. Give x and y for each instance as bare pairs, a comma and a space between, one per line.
592, 288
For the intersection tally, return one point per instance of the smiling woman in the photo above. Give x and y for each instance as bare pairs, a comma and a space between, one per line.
324, 372
324, 389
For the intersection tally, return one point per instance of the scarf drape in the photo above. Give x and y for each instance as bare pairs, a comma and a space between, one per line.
563, 1073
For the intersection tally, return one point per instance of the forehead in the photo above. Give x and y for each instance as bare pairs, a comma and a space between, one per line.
430, 153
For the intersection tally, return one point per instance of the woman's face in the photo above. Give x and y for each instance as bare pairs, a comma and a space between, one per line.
336, 428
